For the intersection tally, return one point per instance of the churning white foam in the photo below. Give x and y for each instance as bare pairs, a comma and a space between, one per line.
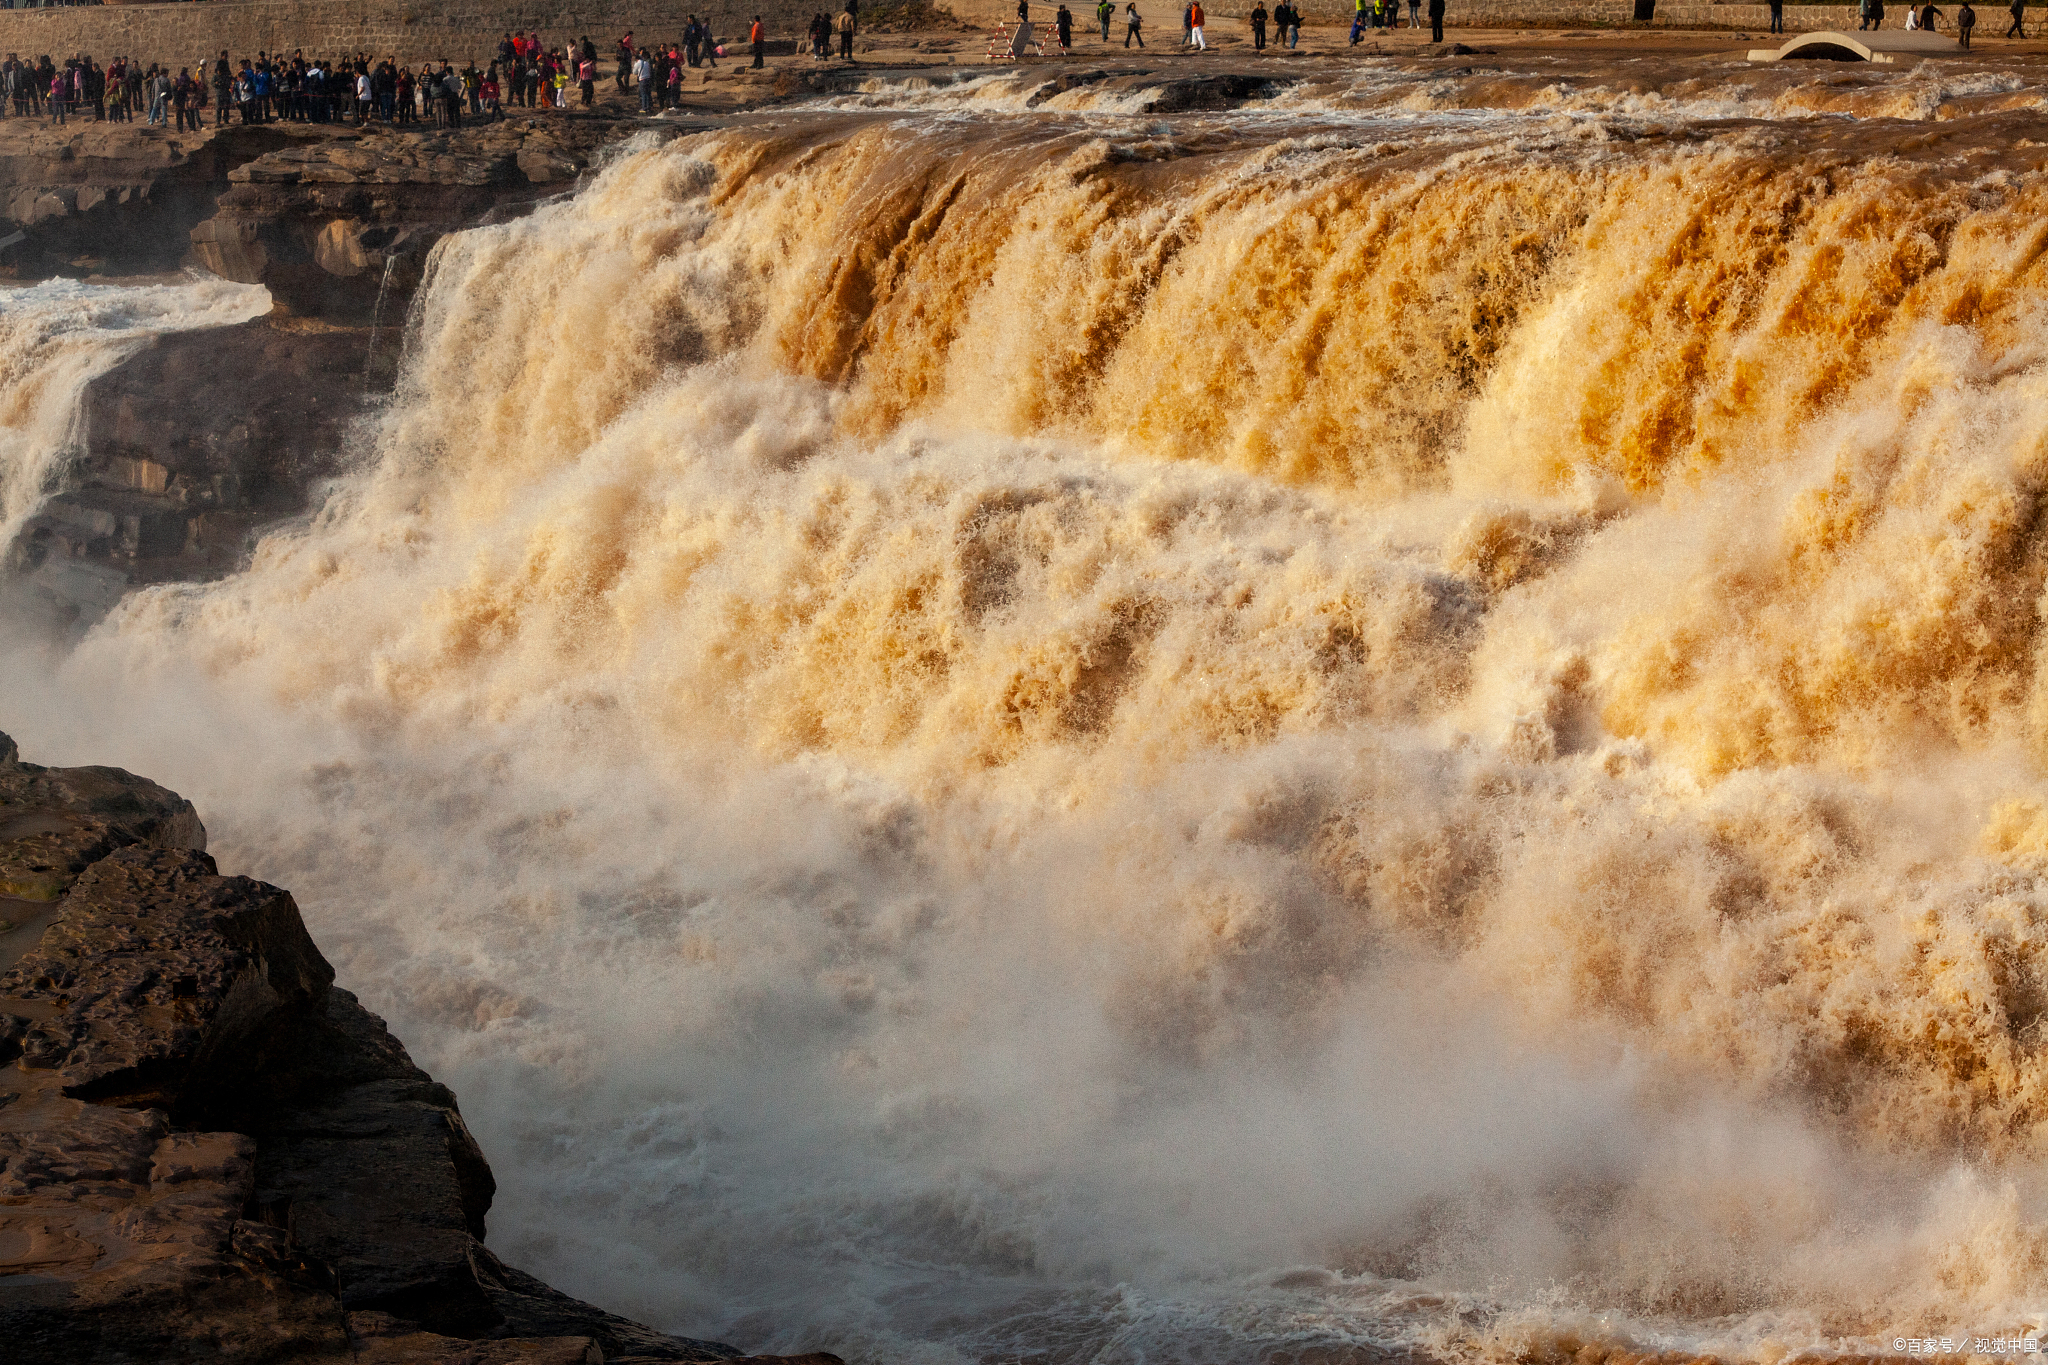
944, 889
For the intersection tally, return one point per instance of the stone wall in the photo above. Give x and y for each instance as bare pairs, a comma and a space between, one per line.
412, 30
1597, 14
1574, 14
418, 30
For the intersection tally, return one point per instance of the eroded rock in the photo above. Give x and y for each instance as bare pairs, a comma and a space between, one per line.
209, 1153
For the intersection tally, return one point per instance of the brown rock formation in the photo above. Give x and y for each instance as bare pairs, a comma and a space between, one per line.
339, 218
207, 1152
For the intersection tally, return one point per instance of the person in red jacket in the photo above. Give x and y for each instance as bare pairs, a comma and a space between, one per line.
1195, 20
758, 36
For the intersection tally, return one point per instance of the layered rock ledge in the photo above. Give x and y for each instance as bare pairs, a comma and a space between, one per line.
208, 1151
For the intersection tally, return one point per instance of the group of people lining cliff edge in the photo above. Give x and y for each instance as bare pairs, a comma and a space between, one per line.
1926, 18
528, 73
271, 87
1284, 19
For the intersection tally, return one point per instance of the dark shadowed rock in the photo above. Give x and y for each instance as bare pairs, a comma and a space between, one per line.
207, 1153
162, 977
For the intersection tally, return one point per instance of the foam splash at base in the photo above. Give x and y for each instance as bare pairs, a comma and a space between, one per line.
57, 337
969, 741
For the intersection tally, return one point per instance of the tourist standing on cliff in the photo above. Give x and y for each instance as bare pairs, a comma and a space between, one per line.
757, 36
451, 93
625, 59
1063, 27
847, 24
185, 100
1436, 21
1258, 22
60, 97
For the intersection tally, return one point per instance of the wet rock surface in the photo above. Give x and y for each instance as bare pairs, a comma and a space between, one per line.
183, 457
210, 1152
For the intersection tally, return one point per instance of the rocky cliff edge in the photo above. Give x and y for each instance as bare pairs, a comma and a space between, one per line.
207, 1150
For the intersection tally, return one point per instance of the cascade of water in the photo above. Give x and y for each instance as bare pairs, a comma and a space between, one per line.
377, 318
974, 738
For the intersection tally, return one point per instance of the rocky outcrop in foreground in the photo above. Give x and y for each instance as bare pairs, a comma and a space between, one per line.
209, 1152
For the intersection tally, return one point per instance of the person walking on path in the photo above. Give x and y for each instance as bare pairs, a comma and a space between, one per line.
1258, 19
1105, 12
2019, 12
1134, 24
846, 32
1966, 19
1063, 25
1195, 22
758, 36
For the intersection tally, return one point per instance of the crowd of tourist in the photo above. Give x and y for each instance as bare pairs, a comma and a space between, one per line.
526, 72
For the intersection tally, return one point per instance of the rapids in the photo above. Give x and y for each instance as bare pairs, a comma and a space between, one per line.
1100, 738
